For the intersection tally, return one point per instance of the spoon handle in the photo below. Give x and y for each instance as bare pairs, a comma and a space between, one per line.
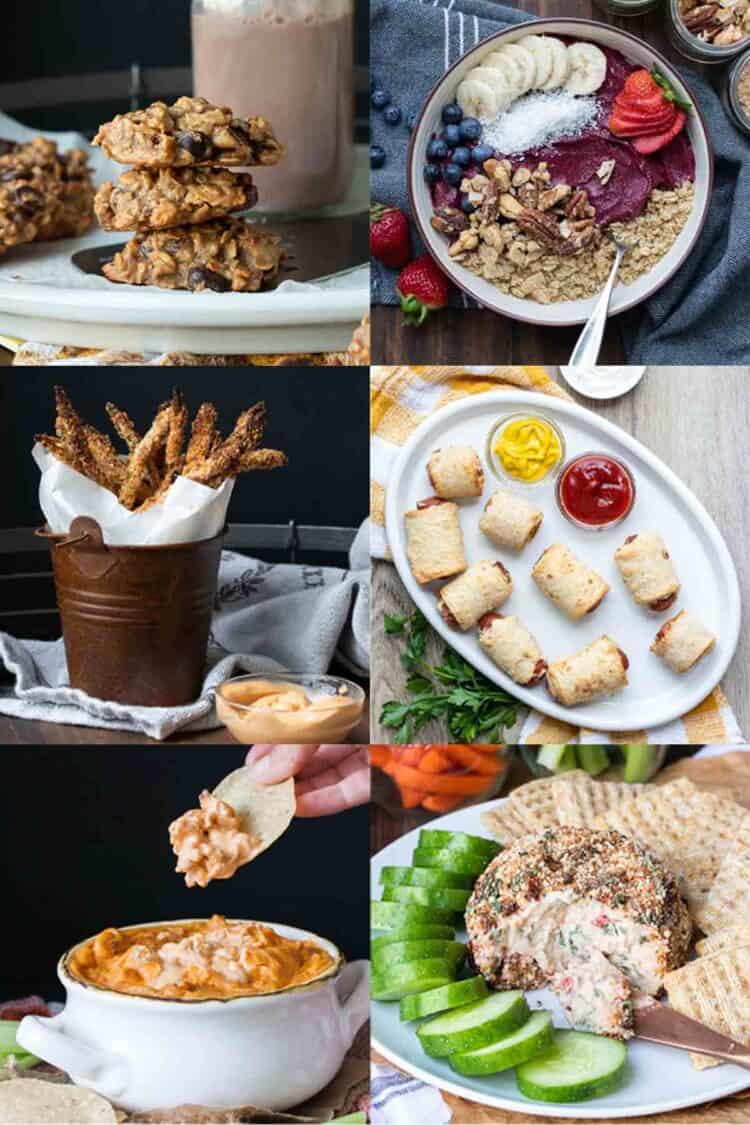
588, 345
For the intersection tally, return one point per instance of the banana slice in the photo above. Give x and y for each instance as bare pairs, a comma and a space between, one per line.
542, 52
588, 68
477, 98
510, 70
525, 61
504, 94
560, 64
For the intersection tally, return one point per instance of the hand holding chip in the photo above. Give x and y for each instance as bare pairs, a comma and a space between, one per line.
328, 779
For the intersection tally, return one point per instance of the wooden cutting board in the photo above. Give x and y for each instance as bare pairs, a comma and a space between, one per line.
730, 773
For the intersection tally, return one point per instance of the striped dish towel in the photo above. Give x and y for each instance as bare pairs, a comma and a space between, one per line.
399, 1099
401, 398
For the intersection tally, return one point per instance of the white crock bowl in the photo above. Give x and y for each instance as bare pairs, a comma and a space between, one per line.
562, 312
272, 1051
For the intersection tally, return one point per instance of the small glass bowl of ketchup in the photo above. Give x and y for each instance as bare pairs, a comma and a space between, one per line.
595, 491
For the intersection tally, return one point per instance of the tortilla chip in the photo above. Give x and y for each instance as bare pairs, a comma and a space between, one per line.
733, 937
584, 799
714, 990
265, 811
23, 1100
729, 897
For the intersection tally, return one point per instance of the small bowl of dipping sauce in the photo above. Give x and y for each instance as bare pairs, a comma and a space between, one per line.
526, 448
269, 707
595, 491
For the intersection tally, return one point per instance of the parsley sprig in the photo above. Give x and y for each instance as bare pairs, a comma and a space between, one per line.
471, 707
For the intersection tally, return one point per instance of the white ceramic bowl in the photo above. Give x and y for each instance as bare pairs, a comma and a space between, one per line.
272, 1051
563, 312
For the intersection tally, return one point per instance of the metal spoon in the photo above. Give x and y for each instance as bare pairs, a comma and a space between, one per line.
588, 345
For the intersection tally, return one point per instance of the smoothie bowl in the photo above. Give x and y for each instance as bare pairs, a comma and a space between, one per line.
214, 1012
542, 145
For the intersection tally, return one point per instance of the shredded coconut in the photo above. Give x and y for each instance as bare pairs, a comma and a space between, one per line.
538, 119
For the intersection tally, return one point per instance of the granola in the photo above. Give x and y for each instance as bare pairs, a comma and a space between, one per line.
154, 199
722, 24
43, 194
227, 254
191, 131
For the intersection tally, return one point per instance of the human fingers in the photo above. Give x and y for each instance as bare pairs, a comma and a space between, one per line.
348, 792
328, 757
276, 763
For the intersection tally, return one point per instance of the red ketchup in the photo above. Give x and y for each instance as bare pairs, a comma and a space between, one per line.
595, 490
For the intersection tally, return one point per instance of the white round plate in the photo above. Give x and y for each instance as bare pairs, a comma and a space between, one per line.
602, 383
654, 695
562, 312
658, 1079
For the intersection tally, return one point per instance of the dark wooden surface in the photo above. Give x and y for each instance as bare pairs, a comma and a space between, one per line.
480, 336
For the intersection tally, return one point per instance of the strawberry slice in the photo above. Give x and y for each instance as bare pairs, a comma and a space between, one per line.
650, 144
632, 125
640, 84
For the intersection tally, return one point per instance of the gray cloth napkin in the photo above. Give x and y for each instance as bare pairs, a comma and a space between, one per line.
268, 617
700, 316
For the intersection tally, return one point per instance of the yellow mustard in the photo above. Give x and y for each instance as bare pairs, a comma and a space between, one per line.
527, 448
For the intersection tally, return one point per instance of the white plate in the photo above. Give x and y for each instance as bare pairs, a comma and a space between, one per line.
654, 695
658, 1079
563, 312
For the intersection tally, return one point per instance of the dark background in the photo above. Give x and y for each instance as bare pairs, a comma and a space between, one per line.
85, 846
319, 418
50, 39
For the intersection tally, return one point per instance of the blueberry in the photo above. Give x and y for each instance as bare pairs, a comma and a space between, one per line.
437, 149
377, 156
461, 156
392, 115
379, 99
467, 206
431, 173
451, 135
482, 152
411, 121
470, 129
452, 114
453, 174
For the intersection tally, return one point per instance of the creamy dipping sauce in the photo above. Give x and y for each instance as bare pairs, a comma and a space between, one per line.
212, 959
277, 711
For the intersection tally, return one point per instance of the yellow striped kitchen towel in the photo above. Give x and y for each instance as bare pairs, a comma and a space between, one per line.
401, 398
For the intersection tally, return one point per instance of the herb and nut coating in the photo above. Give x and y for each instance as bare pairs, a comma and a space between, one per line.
156, 199
227, 254
191, 131
576, 869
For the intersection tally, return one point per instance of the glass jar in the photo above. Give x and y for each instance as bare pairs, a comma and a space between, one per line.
431, 780
691, 47
735, 92
292, 62
625, 8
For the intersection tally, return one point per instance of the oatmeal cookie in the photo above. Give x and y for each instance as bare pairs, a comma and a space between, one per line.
157, 198
75, 212
43, 194
192, 131
222, 255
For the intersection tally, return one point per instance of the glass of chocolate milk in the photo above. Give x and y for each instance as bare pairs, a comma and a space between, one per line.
290, 61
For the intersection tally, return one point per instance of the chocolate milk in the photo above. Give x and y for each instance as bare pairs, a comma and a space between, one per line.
291, 63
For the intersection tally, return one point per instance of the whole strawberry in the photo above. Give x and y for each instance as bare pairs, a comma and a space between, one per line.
422, 287
389, 236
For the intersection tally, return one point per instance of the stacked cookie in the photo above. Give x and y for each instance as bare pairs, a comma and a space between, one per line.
43, 194
179, 197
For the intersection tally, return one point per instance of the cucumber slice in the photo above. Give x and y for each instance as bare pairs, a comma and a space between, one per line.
401, 952
451, 859
577, 1065
456, 995
639, 761
417, 931
397, 981
449, 899
441, 838
425, 877
524, 1043
592, 759
393, 915
473, 1025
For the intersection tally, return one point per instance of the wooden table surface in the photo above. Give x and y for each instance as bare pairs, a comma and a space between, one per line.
730, 772
686, 417
480, 336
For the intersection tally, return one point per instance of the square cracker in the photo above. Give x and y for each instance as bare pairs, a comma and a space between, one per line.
731, 938
529, 809
729, 898
714, 990
504, 824
583, 799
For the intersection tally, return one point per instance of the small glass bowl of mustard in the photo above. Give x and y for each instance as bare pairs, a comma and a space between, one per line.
283, 707
525, 448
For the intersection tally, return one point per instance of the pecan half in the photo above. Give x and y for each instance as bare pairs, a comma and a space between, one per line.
700, 17
449, 220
